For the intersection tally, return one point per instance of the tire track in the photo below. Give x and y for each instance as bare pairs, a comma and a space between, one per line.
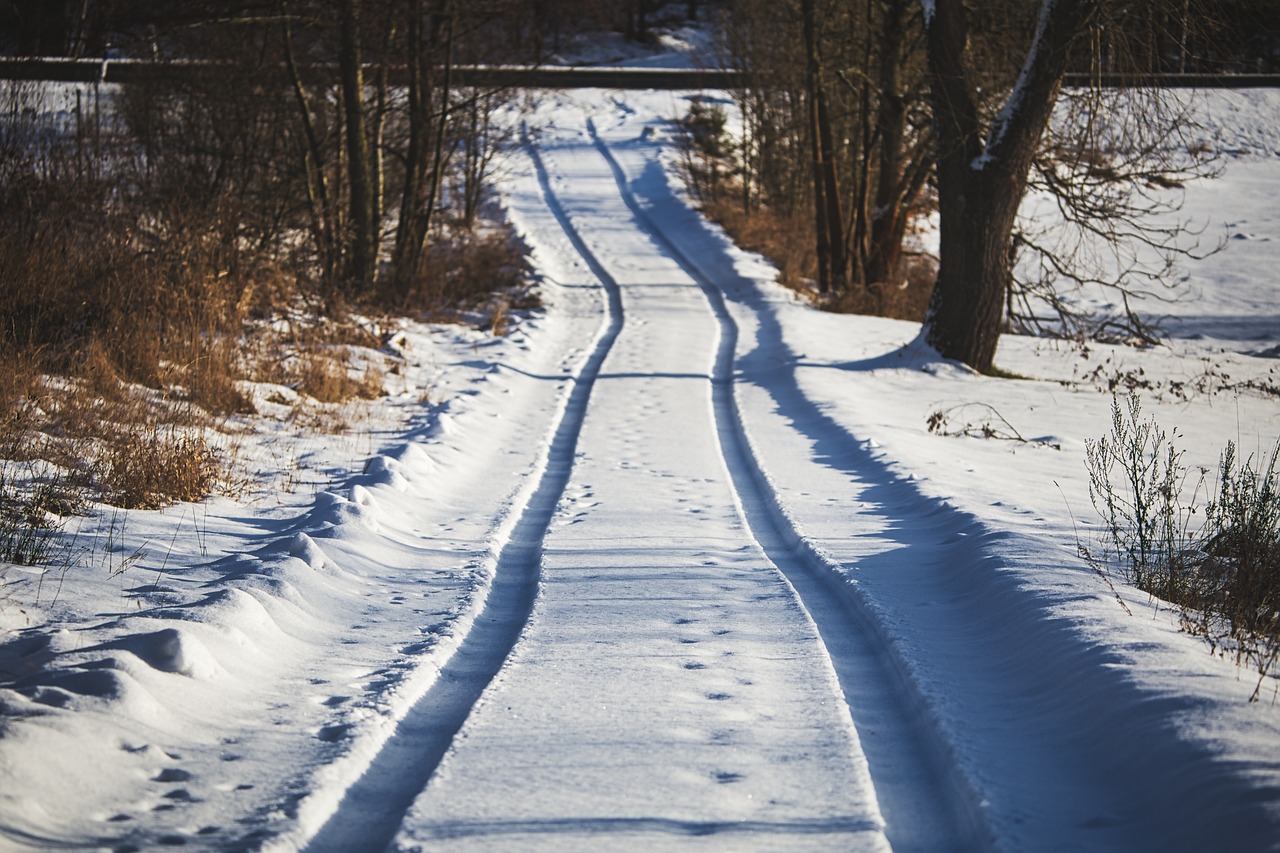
372, 809
927, 803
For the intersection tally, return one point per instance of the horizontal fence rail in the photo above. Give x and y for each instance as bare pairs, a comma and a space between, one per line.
495, 76
537, 77
1173, 81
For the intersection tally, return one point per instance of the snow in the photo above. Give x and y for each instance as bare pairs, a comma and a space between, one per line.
677, 563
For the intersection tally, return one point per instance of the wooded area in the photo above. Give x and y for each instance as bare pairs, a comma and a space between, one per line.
876, 113
340, 142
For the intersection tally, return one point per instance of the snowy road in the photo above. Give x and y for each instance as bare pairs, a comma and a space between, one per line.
671, 680
646, 579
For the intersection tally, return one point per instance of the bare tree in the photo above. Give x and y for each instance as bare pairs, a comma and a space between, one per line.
829, 215
836, 95
1111, 168
425, 154
364, 229
982, 169
1107, 159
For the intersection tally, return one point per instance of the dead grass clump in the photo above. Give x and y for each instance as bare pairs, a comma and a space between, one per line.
500, 319
908, 301
327, 380
19, 386
783, 240
468, 267
1225, 574
155, 466
338, 328
788, 242
31, 504
210, 378
320, 419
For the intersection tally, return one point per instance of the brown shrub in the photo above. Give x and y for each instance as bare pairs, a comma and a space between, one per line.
150, 467
329, 381
210, 377
788, 243
909, 301
468, 267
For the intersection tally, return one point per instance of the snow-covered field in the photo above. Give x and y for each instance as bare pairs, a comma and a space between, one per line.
677, 563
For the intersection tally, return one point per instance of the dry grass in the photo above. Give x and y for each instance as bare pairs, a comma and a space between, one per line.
33, 501
1224, 575
468, 267
151, 467
137, 300
211, 381
325, 377
788, 243
909, 301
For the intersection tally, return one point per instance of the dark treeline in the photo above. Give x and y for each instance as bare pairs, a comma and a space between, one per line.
355, 186
843, 129
90, 28
365, 168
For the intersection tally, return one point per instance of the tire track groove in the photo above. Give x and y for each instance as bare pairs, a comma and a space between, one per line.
926, 801
373, 808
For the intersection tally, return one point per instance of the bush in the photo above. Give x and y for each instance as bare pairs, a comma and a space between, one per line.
28, 530
327, 380
1224, 575
153, 467
1239, 574
1136, 478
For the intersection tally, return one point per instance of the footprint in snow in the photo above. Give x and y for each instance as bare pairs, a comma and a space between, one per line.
333, 734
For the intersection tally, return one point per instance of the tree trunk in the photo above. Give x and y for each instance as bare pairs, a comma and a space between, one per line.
889, 214
980, 186
411, 227
364, 235
319, 198
425, 156
829, 221
966, 313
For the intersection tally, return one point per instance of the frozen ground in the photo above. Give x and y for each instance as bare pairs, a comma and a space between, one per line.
675, 564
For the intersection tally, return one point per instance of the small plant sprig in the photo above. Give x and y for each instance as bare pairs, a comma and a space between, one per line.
979, 420
29, 523
1136, 479
1224, 574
